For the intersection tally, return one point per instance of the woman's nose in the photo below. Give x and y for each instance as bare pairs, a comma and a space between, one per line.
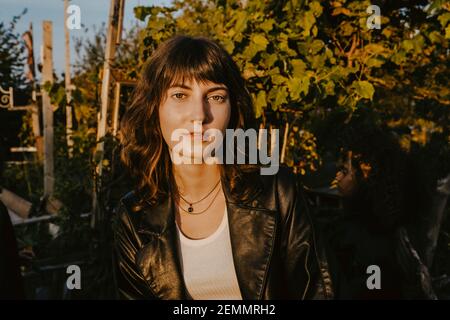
198, 110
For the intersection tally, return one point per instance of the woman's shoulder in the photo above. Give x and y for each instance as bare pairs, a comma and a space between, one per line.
284, 181
128, 207
275, 191
129, 201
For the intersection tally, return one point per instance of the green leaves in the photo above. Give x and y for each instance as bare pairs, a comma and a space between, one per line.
374, 63
240, 22
347, 28
278, 79
316, 8
267, 25
408, 45
341, 10
375, 48
435, 37
363, 89
325, 59
268, 60
307, 21
229, 45
415, 44
298, 85
142, 12
298, 67
316, 46
280, 97
260, 103
444, 18
258, 42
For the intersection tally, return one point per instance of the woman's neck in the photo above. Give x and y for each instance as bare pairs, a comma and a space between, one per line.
194, 180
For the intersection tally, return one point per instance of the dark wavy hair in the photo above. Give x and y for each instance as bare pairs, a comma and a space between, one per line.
144, 151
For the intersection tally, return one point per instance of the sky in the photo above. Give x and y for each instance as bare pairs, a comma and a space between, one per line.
93, 12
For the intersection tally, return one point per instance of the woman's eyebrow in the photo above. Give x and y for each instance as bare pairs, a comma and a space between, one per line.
183, 86
217, 88
180, 85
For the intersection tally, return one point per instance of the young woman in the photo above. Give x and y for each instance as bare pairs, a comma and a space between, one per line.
197, 230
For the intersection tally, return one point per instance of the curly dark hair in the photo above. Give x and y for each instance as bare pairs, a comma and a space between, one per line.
144, 151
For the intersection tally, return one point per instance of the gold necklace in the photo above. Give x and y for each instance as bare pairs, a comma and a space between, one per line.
191, 208
200, 212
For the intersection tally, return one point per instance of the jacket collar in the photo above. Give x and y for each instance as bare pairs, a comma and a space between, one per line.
252, 232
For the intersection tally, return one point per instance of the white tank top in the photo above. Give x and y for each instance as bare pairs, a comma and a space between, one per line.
208, 266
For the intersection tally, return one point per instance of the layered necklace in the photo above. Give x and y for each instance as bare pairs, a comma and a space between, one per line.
190, 209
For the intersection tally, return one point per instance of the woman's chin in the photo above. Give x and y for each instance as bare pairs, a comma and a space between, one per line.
188, 158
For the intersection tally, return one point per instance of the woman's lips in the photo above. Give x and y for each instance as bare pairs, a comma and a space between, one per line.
197, 136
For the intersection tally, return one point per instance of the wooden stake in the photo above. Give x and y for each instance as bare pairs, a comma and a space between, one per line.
34, 108
120, 22
114, 12
68, 83
115, 116
106, 81
47, 76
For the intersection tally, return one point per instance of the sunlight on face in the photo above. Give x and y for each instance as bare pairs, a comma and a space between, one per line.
194, 107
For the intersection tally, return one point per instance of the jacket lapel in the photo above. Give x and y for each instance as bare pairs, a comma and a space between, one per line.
252, 232
159, 258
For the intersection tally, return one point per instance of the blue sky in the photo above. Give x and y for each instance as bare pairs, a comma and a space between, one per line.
93, 12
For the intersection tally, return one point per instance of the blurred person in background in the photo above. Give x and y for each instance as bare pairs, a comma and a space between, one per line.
384, 201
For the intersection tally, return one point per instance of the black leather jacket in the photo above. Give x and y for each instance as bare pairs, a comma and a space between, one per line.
273, 242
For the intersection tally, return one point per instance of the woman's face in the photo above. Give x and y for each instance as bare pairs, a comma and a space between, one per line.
194, 107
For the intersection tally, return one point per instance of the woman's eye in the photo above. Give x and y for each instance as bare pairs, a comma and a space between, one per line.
218, 98
178, 96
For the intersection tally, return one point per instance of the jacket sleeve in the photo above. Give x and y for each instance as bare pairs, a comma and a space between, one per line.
130, 282
305, 264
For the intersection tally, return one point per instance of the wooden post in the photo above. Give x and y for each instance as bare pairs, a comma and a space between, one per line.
47, 76
37, 130
114, 13
115, 115
106, 81
28, 38
120, 22
68, 83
